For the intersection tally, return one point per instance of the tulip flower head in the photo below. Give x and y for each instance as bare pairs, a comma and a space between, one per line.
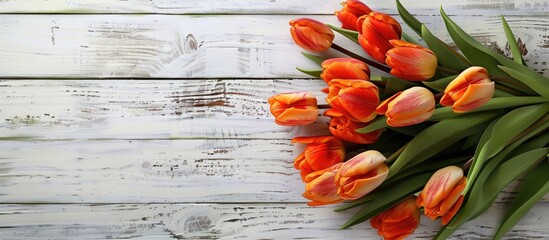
322, 190
471, 89
398, 221
361, 174
320, 153
355, 99
294, 109
409, 107
344, 68
311, 35
442, 195
344, 128
411, 62
351, 11
375, 31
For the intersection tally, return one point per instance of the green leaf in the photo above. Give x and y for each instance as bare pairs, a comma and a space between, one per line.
517, 55
440, 84
481, 55
311, 72
439, 136
412, 130
446, 56
500, 177
540, 86
408, 18
378, 123
535, 186
495, 140
350, 34
395, 85
494, 103
317, 59
512, 124
471, 48
406, 188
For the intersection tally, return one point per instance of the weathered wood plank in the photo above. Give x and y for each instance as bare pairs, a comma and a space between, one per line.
226, 221
145, 109
172, 46
254, 7
158, 171
149, 171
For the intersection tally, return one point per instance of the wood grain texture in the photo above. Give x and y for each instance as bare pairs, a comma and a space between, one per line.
253, 6
149, 171
146, 109
225, 221
174, 46
155, 171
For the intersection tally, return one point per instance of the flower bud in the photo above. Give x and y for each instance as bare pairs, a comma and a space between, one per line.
398, 221
411, 62
311, 35
320, 153
344, 128
471, 89
355, 99
351, 11
375, 31
344, 68
322, 190
361, 174
409, 107
442, 195
294, 109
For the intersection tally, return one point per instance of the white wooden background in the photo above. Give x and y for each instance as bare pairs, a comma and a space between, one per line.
148, 118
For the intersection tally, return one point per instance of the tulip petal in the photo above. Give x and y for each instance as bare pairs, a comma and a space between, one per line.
475, 96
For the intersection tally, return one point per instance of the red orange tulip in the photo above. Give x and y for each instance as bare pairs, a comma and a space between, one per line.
344, 68
355, 99
320, 153
352, 10
471, 89
398, 221
409, 107
322, 190
293, 109
375, 31
361, 174
442, 195
411, 62
311, 35
345, 129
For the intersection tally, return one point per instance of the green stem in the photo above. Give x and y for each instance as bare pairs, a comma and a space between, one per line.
361, 58
447, 70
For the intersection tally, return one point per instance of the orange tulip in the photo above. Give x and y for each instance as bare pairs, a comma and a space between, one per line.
375, 31
409, 107
344, 68
322, 190
311, 35
344, 128
471, 89
320, 153
361, 174
411, 62
398, 221
293, 109
352, 10
355, 99
442, 195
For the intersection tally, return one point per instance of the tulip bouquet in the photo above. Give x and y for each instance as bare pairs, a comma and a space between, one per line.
442, 133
